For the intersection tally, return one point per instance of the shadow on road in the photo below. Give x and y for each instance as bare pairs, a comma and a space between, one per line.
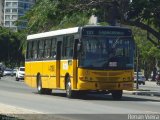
107, 97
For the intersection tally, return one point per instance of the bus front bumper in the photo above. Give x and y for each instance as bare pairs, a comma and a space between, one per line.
105, 86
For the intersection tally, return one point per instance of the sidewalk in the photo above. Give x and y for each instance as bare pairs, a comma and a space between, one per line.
142, 92
151, 83
8, 112
145, 92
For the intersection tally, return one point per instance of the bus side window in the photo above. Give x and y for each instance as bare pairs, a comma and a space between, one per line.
68, 42
31, 50
53, 48
47, 48
28, 50
54, 54
41, 49
34, 50
71, 52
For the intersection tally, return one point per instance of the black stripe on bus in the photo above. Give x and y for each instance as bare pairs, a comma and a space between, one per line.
44, 76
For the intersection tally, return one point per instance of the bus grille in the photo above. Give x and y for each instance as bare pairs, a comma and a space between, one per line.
107, 79
115, 73
108, 73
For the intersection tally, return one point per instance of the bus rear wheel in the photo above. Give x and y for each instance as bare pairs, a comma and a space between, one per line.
39, 86
48, 91
69, 91
117, 94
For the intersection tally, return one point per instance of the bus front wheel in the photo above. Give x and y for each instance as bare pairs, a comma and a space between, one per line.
117, 94
69, 91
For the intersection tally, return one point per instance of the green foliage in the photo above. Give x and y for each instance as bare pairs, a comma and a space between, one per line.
148, 53
145, 10
49, 15
53, 14
10, 50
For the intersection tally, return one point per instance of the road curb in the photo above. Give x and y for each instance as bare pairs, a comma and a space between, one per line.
9, 109
145, 93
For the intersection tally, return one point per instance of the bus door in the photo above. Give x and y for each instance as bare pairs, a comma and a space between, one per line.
75, 66
58, 58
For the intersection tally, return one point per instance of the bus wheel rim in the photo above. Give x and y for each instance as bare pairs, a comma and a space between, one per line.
39, 86
68, 88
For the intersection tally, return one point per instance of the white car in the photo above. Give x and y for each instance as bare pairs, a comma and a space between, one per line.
8, 72
20, 74
14, 72
141, 78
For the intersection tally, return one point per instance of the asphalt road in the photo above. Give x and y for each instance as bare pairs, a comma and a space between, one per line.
90, 107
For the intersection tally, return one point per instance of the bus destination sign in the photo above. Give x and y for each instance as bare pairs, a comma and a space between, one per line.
106, 31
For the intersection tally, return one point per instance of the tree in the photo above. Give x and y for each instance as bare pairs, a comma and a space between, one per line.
144, 14
10, 50
148, 53
53, 14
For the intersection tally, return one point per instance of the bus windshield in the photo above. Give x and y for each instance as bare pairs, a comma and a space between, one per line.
107, 53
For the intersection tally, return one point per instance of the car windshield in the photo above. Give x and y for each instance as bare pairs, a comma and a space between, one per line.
107, 53
7, 69
22, 69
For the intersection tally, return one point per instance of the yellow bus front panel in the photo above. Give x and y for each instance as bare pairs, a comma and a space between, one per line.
105, 80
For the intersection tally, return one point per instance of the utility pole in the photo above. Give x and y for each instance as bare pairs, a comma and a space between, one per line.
137, 67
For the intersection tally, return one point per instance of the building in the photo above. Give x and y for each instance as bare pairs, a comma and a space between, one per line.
1, 12
13, 9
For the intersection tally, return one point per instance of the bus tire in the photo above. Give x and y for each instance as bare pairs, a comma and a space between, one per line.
69, 91
117, 94
39, 86
48, 91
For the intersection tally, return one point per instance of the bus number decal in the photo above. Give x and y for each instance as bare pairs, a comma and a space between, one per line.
51, 68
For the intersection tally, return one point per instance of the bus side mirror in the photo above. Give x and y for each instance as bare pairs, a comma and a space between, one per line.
78, 44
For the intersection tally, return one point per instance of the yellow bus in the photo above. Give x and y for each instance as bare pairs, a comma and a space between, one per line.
80, 60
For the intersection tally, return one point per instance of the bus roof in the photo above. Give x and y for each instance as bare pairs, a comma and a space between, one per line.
53, 33
69, 31
99, 26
